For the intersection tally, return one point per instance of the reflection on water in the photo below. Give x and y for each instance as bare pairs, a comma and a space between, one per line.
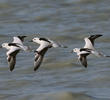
60, 76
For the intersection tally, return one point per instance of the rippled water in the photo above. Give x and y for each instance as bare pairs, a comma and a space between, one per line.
60, 76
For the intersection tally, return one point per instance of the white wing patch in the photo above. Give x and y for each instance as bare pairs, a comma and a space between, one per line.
17, 40
43, 45
88, 44
13, 49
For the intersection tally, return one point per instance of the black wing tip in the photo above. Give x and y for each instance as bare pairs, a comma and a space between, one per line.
11, 69
85, 66
96, 35
22, 36
35, 69
99, 35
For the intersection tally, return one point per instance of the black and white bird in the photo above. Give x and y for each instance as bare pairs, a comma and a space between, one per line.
13, 49
45, 44
88, 49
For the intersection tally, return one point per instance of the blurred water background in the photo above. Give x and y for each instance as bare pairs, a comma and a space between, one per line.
61, 76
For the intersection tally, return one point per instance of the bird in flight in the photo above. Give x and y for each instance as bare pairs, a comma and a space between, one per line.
45, 44
88, 49
13, 49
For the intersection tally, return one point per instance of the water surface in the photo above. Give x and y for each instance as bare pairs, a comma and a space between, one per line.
61, 76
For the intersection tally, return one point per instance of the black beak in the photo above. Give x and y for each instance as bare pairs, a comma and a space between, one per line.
0, 46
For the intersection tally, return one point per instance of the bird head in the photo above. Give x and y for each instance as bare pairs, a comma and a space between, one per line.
4, 45
76, 50
36, 39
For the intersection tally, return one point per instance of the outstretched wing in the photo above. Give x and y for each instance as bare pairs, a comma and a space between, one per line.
18, 42
21, 38
39, 58
93, 37
44, 39
18, 39
38, 61
12, 60
83, 59
54, 44
13, 44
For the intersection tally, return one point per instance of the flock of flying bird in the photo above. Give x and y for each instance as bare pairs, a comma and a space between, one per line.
17, 45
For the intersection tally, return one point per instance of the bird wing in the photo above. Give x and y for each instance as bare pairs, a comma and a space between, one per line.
22, 47
89, 41
17, 40
21, 38
43, 46
39, 58
93, 37
54, 44
12, 49
12, 59
83, 60
13, 44
44, 39
85, 51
